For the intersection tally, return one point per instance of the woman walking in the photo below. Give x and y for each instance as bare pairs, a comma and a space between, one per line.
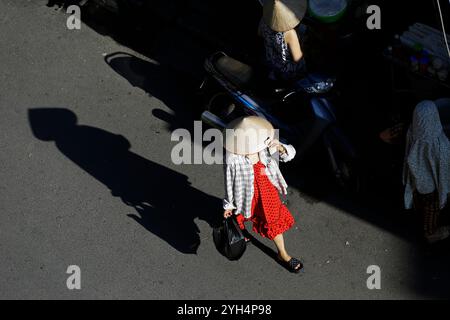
253, 182
427, 169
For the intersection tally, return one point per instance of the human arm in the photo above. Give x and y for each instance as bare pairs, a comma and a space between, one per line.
293, 43
228, 201
286, 151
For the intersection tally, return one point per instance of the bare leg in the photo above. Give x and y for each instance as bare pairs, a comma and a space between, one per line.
282, 253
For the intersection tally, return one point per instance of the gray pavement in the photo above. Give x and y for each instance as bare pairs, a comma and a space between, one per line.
87, 180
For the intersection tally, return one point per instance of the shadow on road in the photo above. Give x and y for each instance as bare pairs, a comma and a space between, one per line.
146, 186
175, 42
174, 89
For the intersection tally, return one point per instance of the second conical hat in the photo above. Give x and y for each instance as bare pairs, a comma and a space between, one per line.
284, 15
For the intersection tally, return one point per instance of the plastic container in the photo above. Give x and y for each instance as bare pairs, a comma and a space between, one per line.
327, 11
424, 63
397, 47
414, 63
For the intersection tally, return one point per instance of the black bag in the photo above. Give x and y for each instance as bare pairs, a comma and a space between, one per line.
229, 239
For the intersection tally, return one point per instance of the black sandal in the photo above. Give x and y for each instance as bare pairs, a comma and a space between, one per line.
292, 265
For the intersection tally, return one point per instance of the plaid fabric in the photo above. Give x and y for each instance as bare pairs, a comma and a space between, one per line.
428, 206
239, 178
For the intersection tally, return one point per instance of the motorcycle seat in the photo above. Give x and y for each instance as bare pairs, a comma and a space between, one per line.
238, 73
246, 77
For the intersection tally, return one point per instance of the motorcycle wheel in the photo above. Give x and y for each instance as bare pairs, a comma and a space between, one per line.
347, 168
349, 178
223, 106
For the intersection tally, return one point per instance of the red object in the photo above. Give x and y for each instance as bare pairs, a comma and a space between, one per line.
270, 216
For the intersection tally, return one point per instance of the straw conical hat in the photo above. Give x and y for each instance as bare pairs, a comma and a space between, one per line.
284, 15
248, 135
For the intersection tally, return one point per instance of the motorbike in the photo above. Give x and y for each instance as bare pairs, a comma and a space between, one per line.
302, 111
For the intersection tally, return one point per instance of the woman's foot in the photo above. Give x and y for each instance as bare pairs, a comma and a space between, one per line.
246, 235
440, 234
292, 264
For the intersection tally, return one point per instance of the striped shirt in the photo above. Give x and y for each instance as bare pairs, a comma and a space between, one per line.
239, 188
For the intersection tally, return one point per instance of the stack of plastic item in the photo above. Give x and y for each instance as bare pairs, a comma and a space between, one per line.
430, 53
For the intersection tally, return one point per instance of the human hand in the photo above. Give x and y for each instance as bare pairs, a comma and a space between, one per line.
227, 214
392, 135
274, 143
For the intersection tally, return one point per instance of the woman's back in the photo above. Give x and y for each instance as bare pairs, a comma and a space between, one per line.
277, 54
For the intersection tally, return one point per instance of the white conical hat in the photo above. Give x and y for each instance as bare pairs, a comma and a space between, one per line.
284, 15
248, 135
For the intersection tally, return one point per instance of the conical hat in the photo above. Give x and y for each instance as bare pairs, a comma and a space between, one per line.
284, 15
248, 135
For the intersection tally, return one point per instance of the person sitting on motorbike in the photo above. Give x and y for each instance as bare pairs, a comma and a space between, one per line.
283, 52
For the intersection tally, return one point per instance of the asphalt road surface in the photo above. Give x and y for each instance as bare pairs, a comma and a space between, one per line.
87, 180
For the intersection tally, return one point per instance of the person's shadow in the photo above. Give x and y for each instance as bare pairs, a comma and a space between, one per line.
165, 202
175, 89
